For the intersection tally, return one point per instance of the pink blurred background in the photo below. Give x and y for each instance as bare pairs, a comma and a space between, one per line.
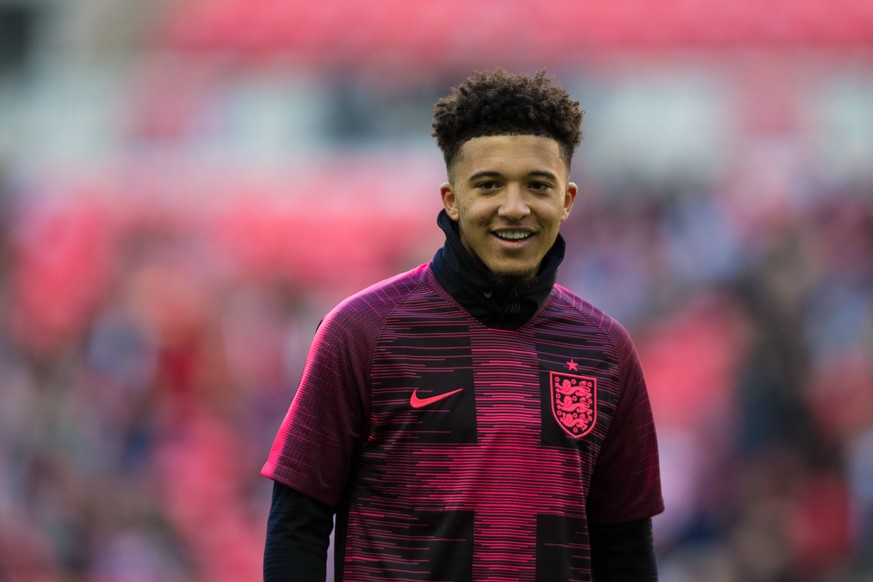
186, 186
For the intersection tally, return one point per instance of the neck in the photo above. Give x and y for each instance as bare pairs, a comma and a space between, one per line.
496, 301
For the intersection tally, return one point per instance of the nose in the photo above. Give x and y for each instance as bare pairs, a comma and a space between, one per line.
513, 205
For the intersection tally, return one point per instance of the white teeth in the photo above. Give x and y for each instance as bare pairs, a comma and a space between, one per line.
513, 234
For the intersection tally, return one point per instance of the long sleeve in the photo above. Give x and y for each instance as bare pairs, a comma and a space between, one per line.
623, 552
298, 535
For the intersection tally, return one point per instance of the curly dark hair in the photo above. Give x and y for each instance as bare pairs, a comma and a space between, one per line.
502, 103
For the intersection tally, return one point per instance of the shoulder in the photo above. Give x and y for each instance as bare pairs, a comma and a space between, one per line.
617, 334
368, 308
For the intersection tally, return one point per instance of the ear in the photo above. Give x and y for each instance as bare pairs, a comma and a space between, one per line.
450, 202
569, 198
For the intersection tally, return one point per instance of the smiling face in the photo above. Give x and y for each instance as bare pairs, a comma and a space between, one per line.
509, 195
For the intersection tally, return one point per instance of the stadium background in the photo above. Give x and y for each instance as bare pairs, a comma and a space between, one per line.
187, 185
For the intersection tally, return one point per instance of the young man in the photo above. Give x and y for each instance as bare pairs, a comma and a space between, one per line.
470, 419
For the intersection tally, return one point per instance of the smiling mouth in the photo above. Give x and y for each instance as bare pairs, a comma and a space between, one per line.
513, 235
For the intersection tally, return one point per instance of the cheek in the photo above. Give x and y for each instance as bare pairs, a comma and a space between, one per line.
478, 210
465, 213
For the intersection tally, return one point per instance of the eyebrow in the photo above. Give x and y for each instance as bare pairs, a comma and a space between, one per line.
496, 174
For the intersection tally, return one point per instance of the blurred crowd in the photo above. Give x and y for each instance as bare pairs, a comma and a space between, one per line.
157, 306
146, 368
755, 329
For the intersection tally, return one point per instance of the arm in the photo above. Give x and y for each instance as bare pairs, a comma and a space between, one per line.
623, 552
626, 485
312, 453
298, 532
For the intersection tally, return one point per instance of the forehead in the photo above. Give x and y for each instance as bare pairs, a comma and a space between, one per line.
510, 154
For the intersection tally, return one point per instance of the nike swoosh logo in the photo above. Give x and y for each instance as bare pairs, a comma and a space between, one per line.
417, 402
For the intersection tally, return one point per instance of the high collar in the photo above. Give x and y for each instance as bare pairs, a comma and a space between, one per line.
475, 287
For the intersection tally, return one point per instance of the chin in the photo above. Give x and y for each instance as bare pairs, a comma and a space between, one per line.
514, 278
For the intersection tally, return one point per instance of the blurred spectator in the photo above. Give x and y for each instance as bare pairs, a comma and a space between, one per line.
155, 319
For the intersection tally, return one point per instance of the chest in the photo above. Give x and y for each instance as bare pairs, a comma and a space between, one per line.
442, 378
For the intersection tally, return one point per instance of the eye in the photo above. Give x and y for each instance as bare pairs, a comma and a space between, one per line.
488, 185
539, 186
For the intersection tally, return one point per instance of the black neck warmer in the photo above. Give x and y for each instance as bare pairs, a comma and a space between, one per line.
476, 289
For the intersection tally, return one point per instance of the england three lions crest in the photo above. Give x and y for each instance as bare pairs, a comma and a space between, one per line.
574, 402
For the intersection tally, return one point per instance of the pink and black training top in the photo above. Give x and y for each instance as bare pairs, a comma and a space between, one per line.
457, 451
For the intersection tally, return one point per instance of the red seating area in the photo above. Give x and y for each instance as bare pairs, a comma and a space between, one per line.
453, 30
